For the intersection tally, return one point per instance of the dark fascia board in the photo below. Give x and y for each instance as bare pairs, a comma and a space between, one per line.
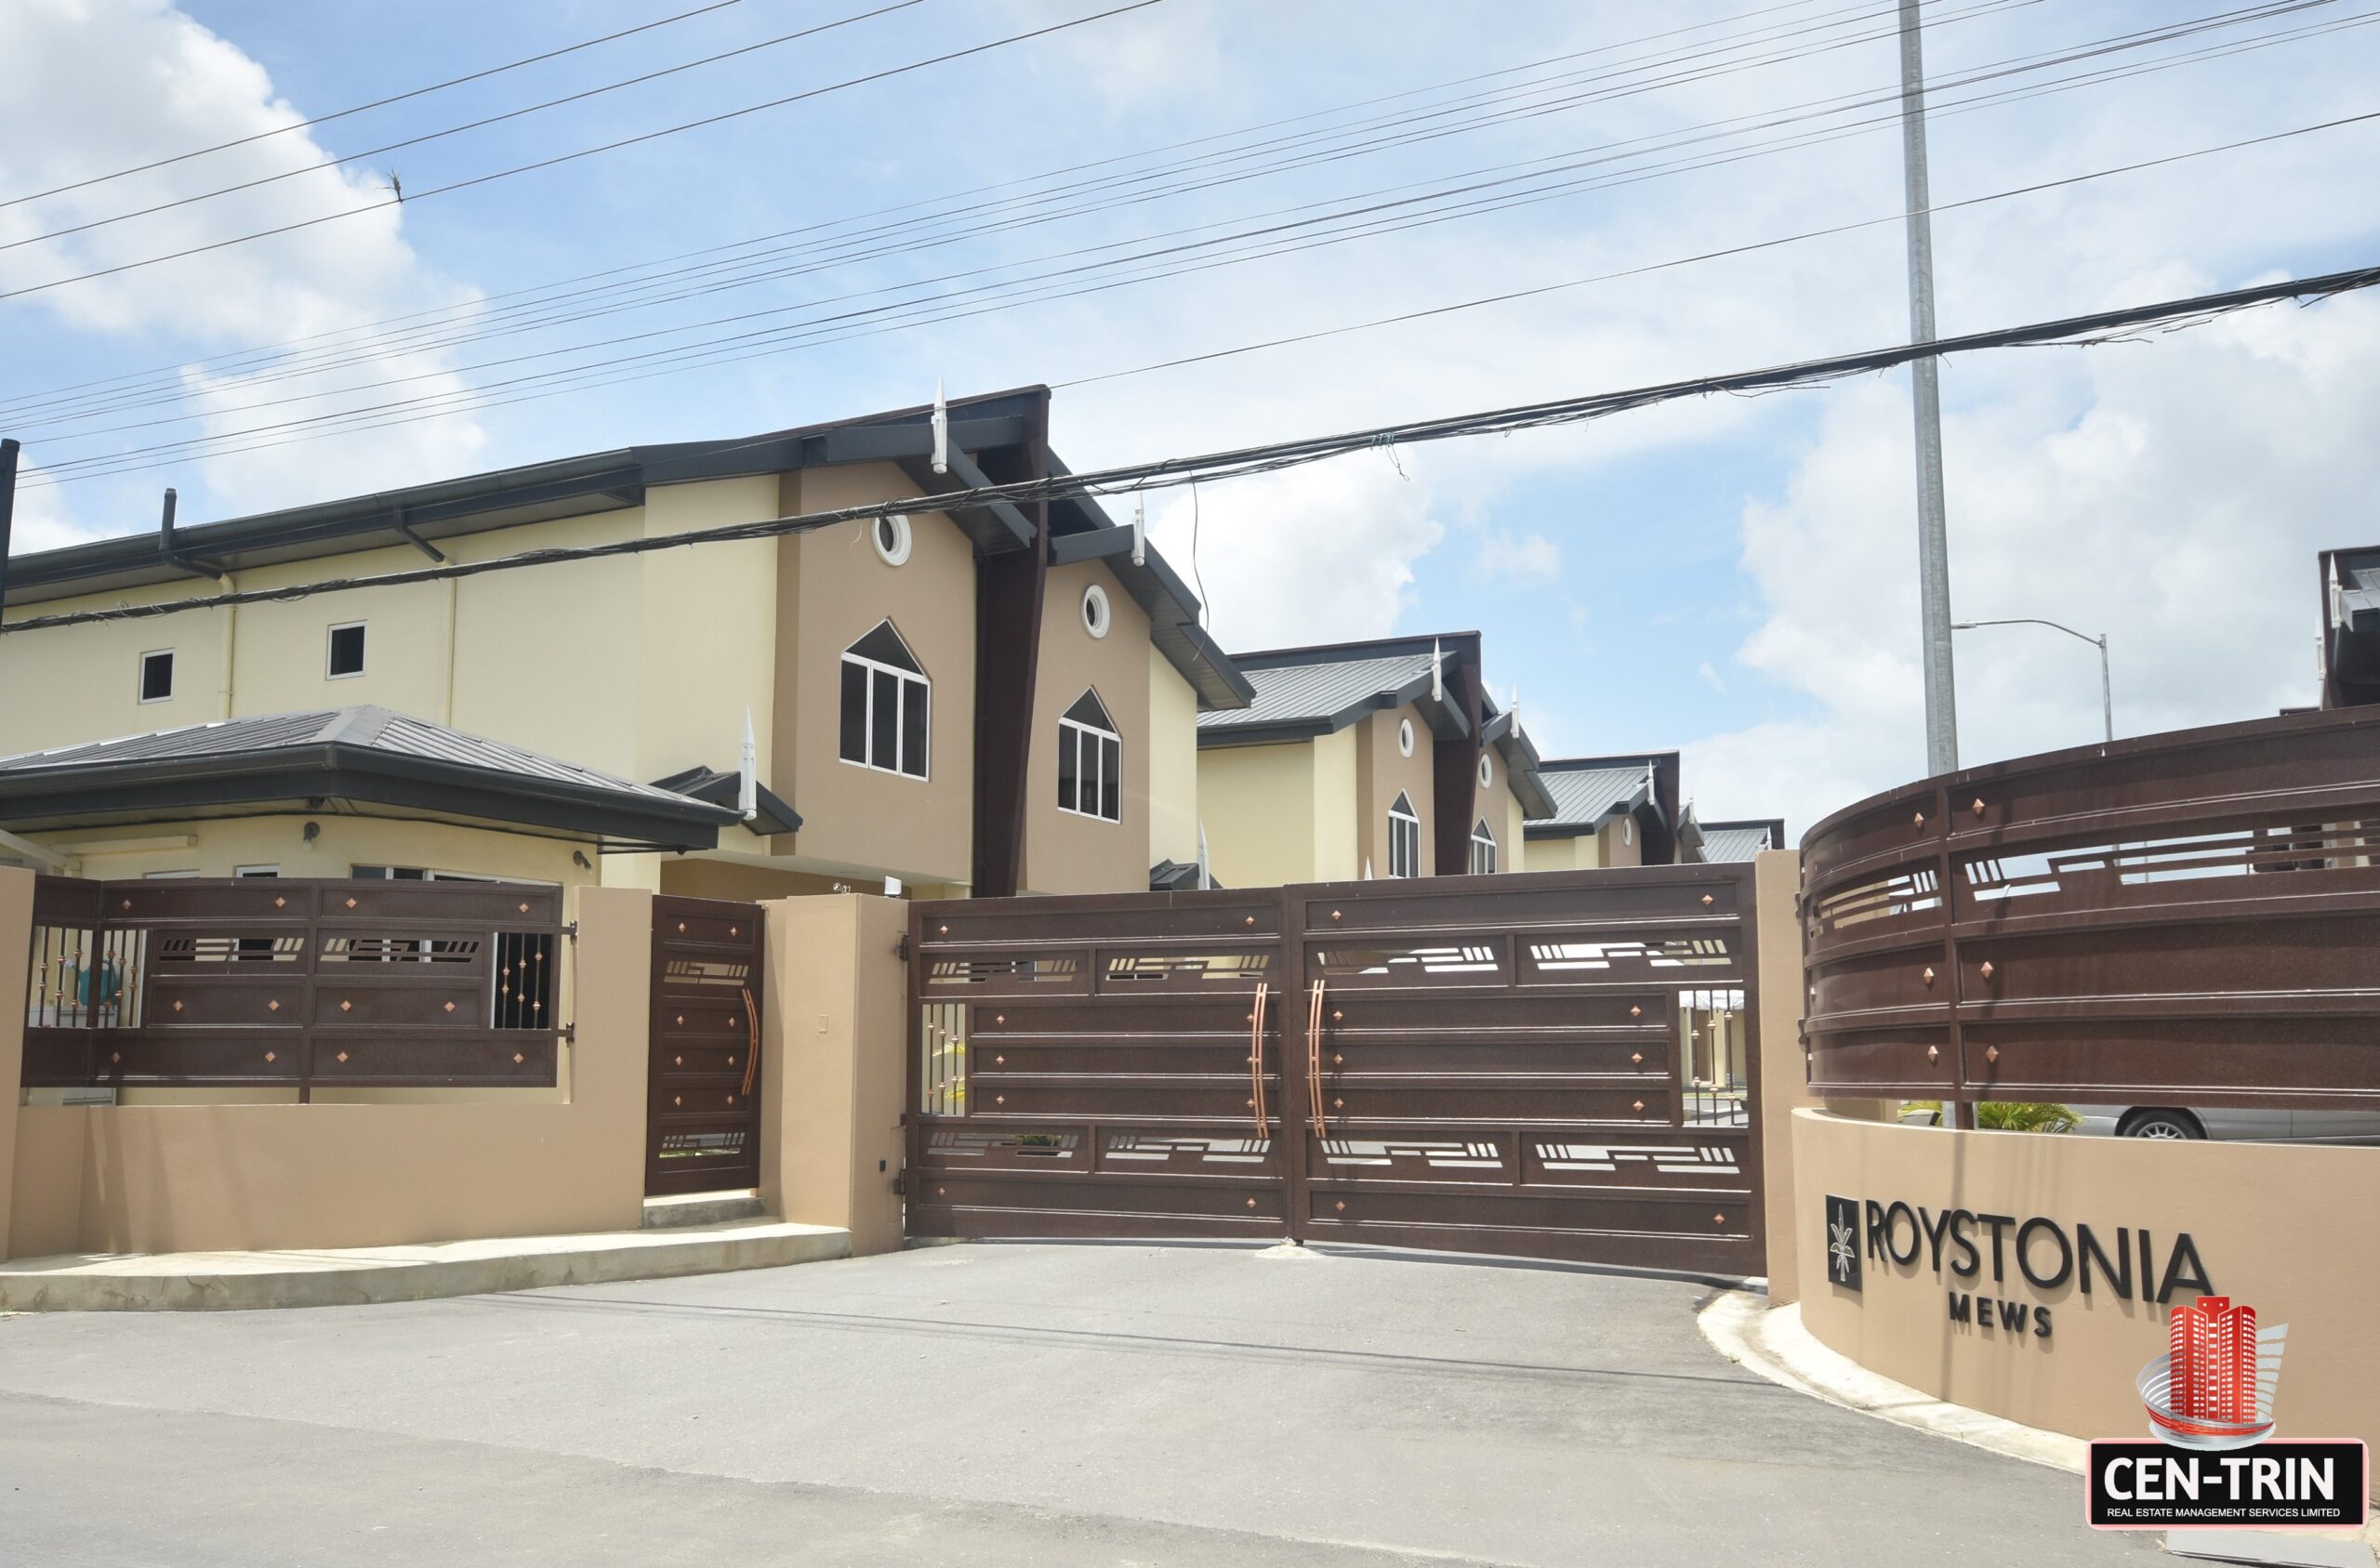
1266, 734
774, 816
510, 498
997, 527
360, 773
1172, 608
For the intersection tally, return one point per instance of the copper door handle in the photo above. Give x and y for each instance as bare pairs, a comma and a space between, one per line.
1314, 1059
752, 1047
1256, 1062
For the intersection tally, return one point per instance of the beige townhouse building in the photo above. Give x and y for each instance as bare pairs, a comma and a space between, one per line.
1362, 759
986, 698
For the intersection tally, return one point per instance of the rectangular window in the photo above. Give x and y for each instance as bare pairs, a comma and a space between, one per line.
346, 651
157, 676
885, 717
256, 871
1090, 771
1404, 845
855, 712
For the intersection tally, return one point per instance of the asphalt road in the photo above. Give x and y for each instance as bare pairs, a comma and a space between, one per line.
980, 1404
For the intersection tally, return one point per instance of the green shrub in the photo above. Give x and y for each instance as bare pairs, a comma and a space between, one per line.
2001, 1115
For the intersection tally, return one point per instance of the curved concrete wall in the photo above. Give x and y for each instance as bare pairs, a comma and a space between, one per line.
2292, 1231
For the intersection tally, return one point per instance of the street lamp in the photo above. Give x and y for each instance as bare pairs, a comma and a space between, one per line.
2107, 691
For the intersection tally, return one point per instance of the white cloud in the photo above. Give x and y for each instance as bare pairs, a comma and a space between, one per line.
1321, 554
1527, 558
119, 83
2173, 496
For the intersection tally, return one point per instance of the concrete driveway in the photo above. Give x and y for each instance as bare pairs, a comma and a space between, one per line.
980, 1404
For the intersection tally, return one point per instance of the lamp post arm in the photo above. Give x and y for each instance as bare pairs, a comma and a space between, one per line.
2107, 685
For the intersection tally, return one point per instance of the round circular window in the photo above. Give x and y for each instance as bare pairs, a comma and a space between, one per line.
1405, 737
1096, 617
1486, 772
892, 536
1628, 830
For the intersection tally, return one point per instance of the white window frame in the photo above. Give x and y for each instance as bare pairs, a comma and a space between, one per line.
256, 871
1098, 615
1405, 737
330, 639
907, 677
1404, 839
141, 675
903, 537
1483, 838
1085, 740
1486, 771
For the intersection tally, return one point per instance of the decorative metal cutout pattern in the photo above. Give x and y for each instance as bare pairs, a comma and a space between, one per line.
1659, 1159
964, 1144
2139, 863
983, 972
1667, 952
1441, 1154
941, 1034
715, 974
1127, 968
1913, 892
194, 949
727, 1145
1209, 1150
1406, 963
399, 950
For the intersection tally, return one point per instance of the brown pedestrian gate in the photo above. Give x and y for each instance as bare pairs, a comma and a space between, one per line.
702, 1122
1556, 1065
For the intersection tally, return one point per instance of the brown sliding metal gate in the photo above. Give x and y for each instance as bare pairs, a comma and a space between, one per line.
702, 1099
1556, 1064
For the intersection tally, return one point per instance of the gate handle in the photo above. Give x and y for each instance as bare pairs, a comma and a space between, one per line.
1313, 1062
752, 1034
1256, 1060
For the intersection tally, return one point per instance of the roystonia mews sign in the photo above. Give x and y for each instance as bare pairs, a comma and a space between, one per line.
1984, 1260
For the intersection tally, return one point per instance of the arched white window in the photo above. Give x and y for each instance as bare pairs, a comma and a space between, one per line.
1483, 850
1404, 838
887, 705
1091, 762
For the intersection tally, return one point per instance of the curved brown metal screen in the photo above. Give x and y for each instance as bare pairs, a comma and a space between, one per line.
1553, 1065
2189, 919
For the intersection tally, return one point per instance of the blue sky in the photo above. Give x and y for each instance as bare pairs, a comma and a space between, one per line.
1734, 577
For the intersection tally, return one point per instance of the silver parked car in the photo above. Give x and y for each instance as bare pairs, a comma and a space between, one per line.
2230, 1125
2197, 1121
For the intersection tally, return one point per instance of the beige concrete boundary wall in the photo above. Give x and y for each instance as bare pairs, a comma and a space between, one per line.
215, 1177
2291, 1231
837, 1044
1784, 1084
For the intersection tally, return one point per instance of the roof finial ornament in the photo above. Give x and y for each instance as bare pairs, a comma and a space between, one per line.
940, 429
1140, 530
747, 787
1438, 672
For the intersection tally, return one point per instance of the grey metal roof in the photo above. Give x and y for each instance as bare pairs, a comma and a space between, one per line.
1317, 691
1585, 798
369, 727
364, 754
1735, 841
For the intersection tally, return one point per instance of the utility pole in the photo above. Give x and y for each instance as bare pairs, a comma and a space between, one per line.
1932, 528
8, 448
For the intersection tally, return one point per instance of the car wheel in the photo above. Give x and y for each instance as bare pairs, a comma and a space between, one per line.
2169, 1125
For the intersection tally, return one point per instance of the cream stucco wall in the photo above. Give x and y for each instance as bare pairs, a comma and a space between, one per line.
221, 846
1338, 829
1065, 852
2292, 1231
1260, 805
830, 1116
1510, 834
835, 588
1173, 764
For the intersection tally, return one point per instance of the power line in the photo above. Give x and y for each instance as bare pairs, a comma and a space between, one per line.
94, 408
173, 373
1269, 457
469, 125
586, 151
723, 350
376, 103
64, 471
